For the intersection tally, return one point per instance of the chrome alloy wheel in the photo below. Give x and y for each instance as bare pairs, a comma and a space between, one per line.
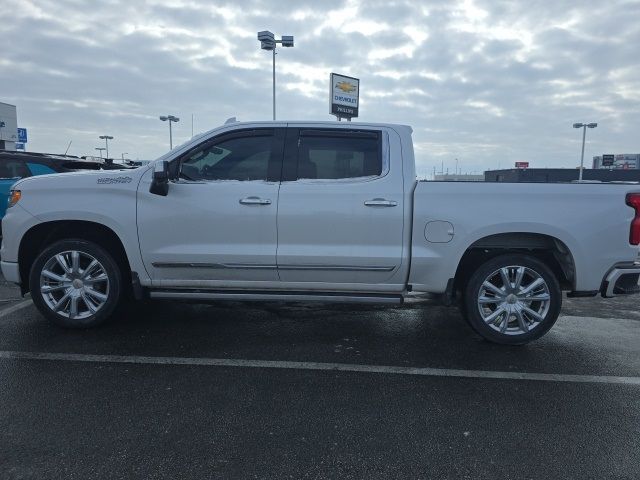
514, 300
74, 284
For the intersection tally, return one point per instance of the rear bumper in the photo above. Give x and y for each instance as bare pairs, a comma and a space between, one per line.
623, 279
11, 271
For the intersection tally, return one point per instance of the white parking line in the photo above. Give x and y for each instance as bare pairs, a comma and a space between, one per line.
337, 367
14, 308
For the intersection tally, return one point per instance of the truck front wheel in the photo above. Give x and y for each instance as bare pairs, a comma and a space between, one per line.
75, 283
512, 299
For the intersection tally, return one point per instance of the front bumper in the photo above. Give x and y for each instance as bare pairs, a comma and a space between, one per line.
623, 279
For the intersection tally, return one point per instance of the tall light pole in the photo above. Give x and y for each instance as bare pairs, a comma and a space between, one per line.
100, 149
106, 139
171, 119
584, 127
123, 154
268, 42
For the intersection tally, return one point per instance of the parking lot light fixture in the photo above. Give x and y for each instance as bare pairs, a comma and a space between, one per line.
106, 139
100, 149
584, 127
268, 42
170, 119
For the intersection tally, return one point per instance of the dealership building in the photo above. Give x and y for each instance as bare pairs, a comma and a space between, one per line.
8, 127
562, 175
618, 161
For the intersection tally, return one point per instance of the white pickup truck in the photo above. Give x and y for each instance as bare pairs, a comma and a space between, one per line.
316, 211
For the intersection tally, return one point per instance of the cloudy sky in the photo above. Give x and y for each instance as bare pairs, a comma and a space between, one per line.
487, 82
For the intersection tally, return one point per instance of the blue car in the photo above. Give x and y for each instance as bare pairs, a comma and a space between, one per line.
17, 165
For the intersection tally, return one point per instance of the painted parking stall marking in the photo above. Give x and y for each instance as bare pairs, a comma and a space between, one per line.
319, 366
14, 308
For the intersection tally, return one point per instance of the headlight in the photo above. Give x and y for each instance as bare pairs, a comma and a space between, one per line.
14, 197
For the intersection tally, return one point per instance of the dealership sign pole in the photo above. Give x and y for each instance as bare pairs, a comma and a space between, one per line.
344, 96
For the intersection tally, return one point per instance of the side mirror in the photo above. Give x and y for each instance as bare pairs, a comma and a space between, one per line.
160, 181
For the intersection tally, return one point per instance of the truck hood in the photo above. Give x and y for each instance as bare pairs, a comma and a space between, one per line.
127, 178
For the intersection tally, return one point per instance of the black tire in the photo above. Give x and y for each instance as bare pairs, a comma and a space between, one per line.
513, 333
111, 288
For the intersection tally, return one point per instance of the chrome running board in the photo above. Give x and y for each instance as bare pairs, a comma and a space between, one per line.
262, 296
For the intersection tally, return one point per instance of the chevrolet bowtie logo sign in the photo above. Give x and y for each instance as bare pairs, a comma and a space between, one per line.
346, 87
344, 95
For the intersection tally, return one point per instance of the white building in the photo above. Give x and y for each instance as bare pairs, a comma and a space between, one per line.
8, 126
460, 177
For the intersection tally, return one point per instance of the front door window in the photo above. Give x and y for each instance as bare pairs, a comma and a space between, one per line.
240, 158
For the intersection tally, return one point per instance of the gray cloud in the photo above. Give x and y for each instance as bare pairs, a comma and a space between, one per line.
486, 82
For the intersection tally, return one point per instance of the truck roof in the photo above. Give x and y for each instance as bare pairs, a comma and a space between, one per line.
331, 123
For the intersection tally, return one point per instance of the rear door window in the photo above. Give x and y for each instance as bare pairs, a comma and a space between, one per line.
340, 154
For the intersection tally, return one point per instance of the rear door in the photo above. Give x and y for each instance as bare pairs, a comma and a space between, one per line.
340, 209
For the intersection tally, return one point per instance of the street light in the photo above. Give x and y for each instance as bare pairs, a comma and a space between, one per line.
584, 127
106, 139
268, 42
171, 118
122, 155
100, 149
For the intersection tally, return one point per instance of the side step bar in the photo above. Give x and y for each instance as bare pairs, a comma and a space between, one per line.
262, 296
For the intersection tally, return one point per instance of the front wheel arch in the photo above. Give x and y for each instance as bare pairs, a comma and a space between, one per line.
41, 236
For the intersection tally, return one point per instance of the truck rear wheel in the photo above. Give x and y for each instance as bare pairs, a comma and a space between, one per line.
75, 283
512, 299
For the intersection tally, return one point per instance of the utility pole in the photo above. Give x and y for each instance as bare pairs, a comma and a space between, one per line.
106, 139
268, 42
171, 119
584, 127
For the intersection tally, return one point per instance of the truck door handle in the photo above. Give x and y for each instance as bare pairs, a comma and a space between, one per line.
380, 202
255, 201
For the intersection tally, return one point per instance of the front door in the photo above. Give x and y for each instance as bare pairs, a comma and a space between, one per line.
218, 222
341, 210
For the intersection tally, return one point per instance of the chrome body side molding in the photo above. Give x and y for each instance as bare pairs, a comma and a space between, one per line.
353, 268
246, 266
216, 266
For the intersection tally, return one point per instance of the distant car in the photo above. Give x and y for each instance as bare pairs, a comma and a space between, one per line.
17, 165
137, 163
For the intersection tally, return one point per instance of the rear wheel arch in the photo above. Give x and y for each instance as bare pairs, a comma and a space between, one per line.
43, 235
548, 249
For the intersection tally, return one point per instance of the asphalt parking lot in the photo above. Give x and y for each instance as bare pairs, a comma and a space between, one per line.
232, 390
